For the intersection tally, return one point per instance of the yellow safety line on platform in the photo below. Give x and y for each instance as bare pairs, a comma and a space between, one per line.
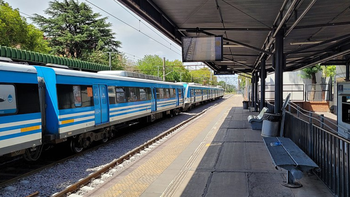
135, 183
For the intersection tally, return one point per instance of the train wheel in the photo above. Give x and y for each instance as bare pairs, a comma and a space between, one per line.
105, 138
76, 145
33, 154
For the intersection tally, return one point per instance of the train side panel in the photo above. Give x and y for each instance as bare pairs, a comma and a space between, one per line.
20, 116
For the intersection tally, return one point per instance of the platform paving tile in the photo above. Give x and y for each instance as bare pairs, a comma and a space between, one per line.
197, 184
227, 184
267, 184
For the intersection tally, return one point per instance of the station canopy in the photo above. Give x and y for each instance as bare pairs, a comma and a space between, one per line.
314, 31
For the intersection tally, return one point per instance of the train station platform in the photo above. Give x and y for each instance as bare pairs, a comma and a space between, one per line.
216, 155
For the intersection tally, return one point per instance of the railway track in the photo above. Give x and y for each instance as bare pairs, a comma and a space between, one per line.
83, 182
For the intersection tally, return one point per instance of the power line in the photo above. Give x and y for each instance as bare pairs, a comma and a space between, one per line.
140, 21
131, 26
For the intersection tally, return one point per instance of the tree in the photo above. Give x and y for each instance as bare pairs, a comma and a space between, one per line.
310, 73
242, 82
174, 70
15, 32
73, 30
203, 76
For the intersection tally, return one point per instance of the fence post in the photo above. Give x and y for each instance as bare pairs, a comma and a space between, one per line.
322, 120
298, 110
309, 136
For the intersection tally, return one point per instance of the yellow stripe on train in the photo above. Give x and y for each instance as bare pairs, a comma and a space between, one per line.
67, 121
30, 128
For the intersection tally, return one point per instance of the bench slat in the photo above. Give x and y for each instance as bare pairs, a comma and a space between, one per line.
299, 157
278, 153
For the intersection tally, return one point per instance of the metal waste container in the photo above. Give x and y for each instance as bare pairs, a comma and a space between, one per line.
271, 125
245, 104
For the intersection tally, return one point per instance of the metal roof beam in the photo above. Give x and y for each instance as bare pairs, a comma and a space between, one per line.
323, 25
318, 44
225, 29
344, 50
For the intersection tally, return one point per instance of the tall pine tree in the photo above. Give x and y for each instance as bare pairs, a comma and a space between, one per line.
73, 30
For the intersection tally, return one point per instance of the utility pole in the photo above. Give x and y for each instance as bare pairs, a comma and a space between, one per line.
110, 59
163, 68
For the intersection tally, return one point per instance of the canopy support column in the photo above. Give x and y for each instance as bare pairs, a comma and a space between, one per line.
279, 67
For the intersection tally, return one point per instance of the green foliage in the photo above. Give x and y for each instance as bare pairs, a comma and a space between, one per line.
242, 82
309, 72
73, 30
15, 32
202, 76
227, 87
174, 70
329, 71
35, 40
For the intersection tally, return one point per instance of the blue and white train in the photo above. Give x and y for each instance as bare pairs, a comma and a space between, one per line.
43, 105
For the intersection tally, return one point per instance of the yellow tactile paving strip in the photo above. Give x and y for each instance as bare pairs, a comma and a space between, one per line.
135, 183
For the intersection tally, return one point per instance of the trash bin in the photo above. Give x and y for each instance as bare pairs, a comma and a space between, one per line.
271, 125
245, 104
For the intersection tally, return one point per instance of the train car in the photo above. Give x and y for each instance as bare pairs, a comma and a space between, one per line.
43, 106
90, 106
81, 107
196, 94
21, 104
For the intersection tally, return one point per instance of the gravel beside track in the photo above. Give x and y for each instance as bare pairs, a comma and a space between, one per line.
57, 178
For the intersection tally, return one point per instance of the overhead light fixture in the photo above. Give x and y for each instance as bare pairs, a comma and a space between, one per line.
305, 43
232, 45
227, 61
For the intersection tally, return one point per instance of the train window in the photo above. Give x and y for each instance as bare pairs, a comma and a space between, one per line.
86, 96
180, 92
77, 96
27, 98
149, 93
145, 94
70, 96
192, 92
112, 95
8, 103
121, 97
134, 95
172, 93
160, 93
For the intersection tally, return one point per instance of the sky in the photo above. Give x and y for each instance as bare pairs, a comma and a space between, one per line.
138, 38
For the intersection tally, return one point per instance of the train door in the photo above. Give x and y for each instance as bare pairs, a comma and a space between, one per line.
177, 96
154, 100
101, 104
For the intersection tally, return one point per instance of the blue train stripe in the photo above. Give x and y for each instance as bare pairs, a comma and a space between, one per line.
15, 135
75, 116
65, 114
73, 127
134, 111
19, 126
130, 110
127, 115
117, 107
77, 121
19, 118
